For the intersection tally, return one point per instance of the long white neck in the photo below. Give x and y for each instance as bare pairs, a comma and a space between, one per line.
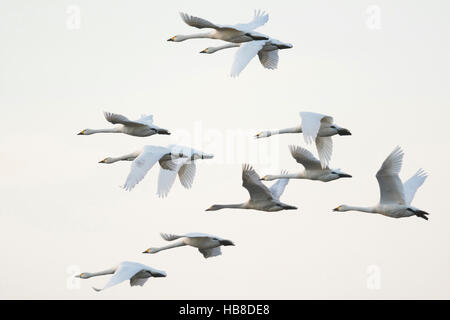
285, 176
194, 36
101, 273
127, 157
362, 209
178, 243
226, 46
281, 131
227, 206
111, 130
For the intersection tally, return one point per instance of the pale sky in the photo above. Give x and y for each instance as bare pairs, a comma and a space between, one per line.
62, 212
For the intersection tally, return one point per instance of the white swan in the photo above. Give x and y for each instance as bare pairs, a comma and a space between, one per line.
173, 160
137, 273
232, 33
208, 245
261, 197
142, 127
313, 169
267, 51
395, 197
315, 127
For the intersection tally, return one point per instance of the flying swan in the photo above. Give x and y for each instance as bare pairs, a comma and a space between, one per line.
267, 51
238, 33
395, 197
313, 169
261, 197
173, 160
315, 127
142, 127
137, 273
208, 245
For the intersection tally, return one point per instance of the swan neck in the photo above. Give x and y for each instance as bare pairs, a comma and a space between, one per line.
178, 243
226, 46
288, 130
102, 273
197, 36
362, 209
285, 176
111, 130
231, 206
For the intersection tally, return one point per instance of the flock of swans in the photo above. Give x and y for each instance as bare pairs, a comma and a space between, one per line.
175, 160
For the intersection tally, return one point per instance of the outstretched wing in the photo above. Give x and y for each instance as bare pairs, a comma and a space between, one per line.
412, 184
170, 237
324, 147
125, 271
245, 54
260, 18
278, 187
168, 174
305, 158
391, 187
311, 123
197, 22
212, 252
187, 174
142, 164
115, 118
269, 59
146, 119
251, 182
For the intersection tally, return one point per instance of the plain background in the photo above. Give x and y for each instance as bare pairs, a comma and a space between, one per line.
61, 212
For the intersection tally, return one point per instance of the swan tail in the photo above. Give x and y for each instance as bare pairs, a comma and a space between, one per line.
421, 214
288, 207
256, 37
163, 131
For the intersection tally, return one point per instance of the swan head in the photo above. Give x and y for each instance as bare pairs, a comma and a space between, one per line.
107, 160
226, 243
263, 134
151, 250
209, 50
86, 132
177, 38
268, 178
84, 275
202, 156
342, 208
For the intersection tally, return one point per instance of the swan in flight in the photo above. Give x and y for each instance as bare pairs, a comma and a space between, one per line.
238, 33
142, 127
208, 245
395, 196
315, 127
137, 273
313, 169
173, 160
261, 197
267, 51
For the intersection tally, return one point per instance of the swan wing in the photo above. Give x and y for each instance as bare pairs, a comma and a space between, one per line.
278, 187
253, 184
138, 280
305, 158
197, 22
269, 59
142, 164
200, 235
412, 184
187, 174
324, 147
125, 271
211, 252
115, 118
311, 123
170, 237
168, 174
146, 119
244, 55
260, 18
391, 187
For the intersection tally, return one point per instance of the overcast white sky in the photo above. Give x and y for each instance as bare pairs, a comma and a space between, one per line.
61, 212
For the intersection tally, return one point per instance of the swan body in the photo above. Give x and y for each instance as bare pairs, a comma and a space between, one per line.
395, 196
231, 33
208, 245
261, 197
313, 169
316, 128
267, 51
137, 273
173, 160
142, 127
